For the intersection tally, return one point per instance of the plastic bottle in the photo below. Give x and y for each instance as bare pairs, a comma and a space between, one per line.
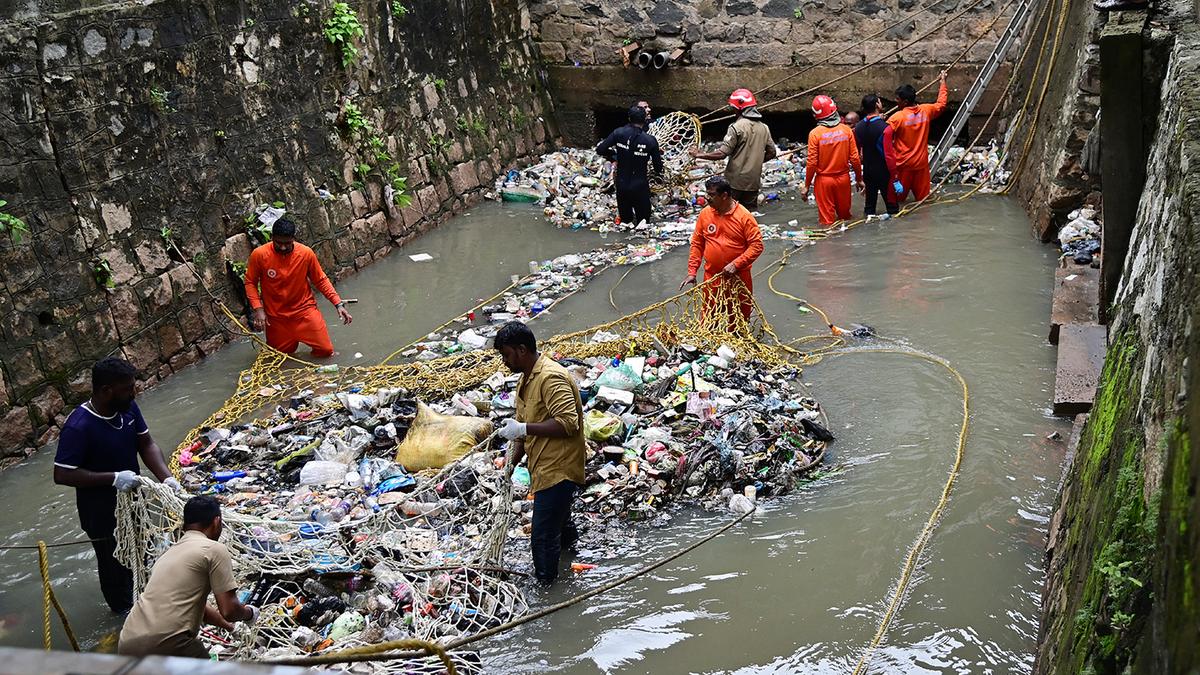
328, 368
338, 513
533, 267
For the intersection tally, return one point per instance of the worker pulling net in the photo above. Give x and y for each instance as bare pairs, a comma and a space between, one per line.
369, 504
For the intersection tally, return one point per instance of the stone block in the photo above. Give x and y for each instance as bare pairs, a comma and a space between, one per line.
22, 367
432, 100
183, 281
57, 352
778, 30
779, 9
80, 384
16, 428
185, 358
428, 198
170, 339
125, 311
4, 398
463, 178
553, 52
582, 32
556, 31
100, 332
123, 270
754, 55
116, 217
210, 345
237, 248
377, 225
152, 255
156, 294
143, 354
358, 204
741, 8
46, 406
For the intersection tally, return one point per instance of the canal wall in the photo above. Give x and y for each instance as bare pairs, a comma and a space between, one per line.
1121, 591
726, 44
132, 128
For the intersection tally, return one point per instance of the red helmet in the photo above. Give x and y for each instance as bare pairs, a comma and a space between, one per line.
742, 99
823, 107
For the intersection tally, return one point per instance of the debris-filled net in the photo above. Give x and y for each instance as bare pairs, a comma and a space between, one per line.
342, 538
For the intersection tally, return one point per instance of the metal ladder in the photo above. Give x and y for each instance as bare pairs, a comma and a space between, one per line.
975, 93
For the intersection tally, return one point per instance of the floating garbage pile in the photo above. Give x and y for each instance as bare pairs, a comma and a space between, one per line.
574, 186
357, 517
1079, 239
980, 165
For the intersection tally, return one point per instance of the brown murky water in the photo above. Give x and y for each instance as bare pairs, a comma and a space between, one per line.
801, 587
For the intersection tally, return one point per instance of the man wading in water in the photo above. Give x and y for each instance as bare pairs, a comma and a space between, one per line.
97, 455
633, 150
548, 429
747, 144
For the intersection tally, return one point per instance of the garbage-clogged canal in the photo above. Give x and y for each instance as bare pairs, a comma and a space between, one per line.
801, 586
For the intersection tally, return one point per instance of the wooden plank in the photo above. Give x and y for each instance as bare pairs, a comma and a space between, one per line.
1081, 350
1076, 297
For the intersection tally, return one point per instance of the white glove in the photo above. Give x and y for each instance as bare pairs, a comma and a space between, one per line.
173, 484
512, 429
253, 614
126, 480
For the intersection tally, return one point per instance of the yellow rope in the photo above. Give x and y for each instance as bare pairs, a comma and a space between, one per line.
352, 654
48, 599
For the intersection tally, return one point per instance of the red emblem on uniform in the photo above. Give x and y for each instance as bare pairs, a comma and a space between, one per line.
272, 273
712, 228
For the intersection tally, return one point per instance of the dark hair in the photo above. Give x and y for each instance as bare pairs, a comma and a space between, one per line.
906, 94
515, 334
283, 227
200, 510
110, 371
637, 115
719, 185
869, 103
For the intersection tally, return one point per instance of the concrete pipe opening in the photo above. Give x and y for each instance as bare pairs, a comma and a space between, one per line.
661, 60
644, 60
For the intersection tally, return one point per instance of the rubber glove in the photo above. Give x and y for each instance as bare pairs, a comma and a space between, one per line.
126, 480
253, 614
173, 484
898, 187
512, 429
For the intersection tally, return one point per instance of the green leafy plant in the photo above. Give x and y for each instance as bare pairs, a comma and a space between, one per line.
798, 13
219, 135
398, 9
239, 268
199, 258
356, 121
362, 169
102, 272
341, 28
278, 204
14, 226
438, 143
159, 100
165, 232
440, 84
249, 23
506, 68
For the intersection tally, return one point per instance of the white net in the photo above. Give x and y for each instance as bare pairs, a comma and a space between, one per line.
676, 133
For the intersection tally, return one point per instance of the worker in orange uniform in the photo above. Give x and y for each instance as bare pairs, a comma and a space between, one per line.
832, 154
908, 134
727, 238
286, 308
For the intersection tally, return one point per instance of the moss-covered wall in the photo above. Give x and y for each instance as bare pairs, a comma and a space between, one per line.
1122, 570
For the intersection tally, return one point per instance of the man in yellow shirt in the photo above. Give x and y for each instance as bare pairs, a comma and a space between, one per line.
548, 429
165, 620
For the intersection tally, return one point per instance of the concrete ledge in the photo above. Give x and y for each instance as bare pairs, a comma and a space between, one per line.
22, 661
1081, 350
1076, 297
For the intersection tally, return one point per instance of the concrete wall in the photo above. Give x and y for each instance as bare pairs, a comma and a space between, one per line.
1122, 579
122, 121
750, 43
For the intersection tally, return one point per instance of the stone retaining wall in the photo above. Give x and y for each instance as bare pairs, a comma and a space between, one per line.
131, 124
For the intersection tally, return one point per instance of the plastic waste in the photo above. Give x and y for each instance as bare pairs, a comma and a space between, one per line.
319, 472
601, 426
435, 440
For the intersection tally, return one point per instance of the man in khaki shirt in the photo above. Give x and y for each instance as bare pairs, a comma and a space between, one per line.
747, 145
548, 429
165, 620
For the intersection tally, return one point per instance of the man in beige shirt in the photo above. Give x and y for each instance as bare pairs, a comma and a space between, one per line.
548, 429
747, 145
165, 620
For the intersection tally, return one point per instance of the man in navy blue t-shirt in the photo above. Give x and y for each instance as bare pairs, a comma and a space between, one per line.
98, 452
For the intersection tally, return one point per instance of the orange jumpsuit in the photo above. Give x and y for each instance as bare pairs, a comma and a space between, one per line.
832, 152
292, 314
722, 238
908, 134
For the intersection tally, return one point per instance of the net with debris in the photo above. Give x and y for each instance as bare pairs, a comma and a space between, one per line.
342, 545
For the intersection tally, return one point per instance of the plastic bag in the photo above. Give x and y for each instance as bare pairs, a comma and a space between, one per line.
318, 472
434, 440
620, 377
600, 426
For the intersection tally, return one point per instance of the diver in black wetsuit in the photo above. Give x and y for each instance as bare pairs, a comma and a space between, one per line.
632, 149
874, 149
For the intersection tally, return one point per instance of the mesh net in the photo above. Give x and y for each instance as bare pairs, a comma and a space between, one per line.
676, 133
428, 563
